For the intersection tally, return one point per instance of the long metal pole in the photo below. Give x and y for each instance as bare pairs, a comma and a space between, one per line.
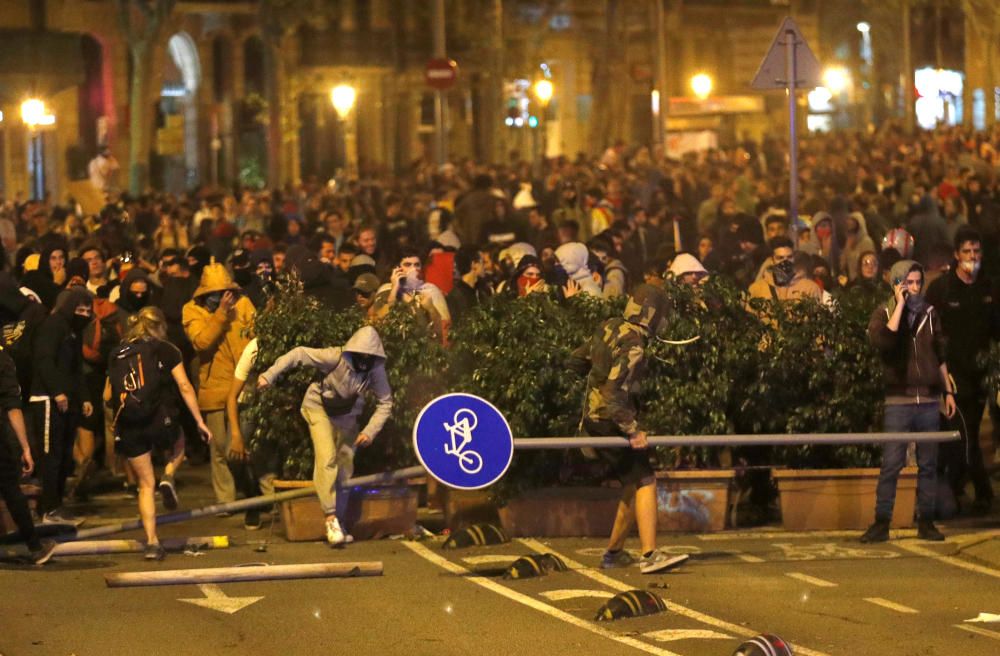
661, 100
440, 106
735, 440
793, 142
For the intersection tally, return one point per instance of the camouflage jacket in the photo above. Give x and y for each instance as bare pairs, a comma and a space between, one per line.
616, 360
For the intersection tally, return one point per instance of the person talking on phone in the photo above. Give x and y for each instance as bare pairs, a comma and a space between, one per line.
907, 332
217, 321
407, 286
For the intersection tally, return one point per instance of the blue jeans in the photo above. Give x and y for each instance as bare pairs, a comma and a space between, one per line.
911, 418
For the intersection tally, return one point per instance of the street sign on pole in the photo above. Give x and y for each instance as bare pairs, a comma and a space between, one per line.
463, 441
441, 73
791, 65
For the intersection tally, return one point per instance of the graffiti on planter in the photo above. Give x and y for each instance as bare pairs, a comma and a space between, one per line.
695, 504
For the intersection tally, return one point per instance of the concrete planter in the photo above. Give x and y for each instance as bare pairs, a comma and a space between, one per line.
830, 499
372, 512
561, 512
464, 507
693, 500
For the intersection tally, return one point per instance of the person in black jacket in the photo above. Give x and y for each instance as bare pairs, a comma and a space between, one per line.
970, 313
12, 465
58, 396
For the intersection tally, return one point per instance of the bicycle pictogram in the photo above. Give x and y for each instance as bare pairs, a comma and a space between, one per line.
464, 422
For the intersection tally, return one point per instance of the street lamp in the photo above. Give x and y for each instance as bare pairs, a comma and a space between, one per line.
543, 91
836, 79
701, 84
36, 115
864, 27
343, 97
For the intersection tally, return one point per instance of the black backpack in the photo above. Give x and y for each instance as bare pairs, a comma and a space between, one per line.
134, 374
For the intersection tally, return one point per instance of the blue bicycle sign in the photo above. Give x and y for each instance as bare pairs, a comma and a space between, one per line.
463, 441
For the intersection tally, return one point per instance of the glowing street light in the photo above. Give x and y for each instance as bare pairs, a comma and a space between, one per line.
544, 89
836, 79
34, 113
864, 27
701, 84
343, 97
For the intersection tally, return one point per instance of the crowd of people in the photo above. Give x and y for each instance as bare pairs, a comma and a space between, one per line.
178, 279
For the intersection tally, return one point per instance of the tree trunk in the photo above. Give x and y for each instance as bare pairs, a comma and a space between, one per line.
139, 137
272, 56
600, 125
907, 74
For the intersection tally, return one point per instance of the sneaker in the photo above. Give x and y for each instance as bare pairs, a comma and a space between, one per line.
154, 551
334, 534
168, 493
62, 517
927, 531
252, 520
877, 532
613, 559
44, 552
657, 561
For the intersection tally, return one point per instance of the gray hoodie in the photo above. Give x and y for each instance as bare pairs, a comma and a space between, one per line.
341, 392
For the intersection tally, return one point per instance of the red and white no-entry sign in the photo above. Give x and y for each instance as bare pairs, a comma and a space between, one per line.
441, 73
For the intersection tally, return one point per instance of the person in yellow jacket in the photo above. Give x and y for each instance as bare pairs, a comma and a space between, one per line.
217, 321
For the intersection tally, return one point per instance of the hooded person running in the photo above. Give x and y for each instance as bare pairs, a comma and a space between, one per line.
332, 407
614, 361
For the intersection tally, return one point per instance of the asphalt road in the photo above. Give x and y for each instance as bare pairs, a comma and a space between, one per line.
823, 592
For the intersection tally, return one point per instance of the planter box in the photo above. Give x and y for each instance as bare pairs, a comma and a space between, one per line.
828, 499
372, 512
562, 512
464, 507
693, 500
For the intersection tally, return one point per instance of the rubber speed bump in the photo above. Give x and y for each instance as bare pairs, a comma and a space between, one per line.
765, 644
533, 565
634, 603
476, 535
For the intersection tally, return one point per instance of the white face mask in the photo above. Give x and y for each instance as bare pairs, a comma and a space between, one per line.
971, 267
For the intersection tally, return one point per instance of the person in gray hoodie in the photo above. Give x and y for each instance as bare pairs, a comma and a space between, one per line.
332, 408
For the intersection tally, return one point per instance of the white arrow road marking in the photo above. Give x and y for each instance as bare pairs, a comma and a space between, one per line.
489, 559
812, 580
672, 606
891, 605
985, 617
669, 635
983, 632
216, 599
561, 595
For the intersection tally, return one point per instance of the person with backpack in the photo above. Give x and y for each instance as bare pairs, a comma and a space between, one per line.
142, 373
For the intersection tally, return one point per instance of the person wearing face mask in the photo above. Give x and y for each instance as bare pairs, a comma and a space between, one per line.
333, 406
59, 396
970, 313
784, 280
408, 286
856, 243
136, 292
906, 330
217, 322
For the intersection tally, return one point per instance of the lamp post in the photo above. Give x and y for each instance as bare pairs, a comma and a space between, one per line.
344, 97
35, 116
544, 89
868, 78
838, 80
701, 85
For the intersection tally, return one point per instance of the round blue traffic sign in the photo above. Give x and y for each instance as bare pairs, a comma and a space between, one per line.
463, 441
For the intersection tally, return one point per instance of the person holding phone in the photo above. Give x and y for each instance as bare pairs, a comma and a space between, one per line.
907, 332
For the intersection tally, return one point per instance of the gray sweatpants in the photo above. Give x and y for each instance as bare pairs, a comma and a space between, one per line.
333, 447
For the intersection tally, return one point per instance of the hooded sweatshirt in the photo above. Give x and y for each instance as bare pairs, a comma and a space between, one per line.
341, 392
573, 259
57, 353
854, 246
218, 337
911, 356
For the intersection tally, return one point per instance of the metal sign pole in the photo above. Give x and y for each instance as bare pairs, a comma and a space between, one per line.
793, 143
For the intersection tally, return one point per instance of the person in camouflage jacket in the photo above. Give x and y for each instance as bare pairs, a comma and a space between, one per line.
614, 361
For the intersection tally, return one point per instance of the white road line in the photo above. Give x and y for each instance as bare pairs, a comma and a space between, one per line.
531, 602
747, 558
561, 595
891, 605
490, 559
672, 606
776, 535
979, 631
950, 560
812, 580
669, 635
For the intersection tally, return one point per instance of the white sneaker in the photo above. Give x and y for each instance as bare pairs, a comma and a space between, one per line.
659, 562
334, 534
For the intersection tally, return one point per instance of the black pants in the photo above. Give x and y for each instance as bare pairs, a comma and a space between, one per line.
10, 491
964, 459
52, 436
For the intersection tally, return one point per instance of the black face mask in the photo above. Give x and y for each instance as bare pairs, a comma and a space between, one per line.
243, 277
783, 272
135, 301
363, 363
78, 322
211, 301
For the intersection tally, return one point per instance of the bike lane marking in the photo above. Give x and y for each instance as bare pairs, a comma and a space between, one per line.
891, 605
533, 603
621, 586
811, 580
949, 560
978, 631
